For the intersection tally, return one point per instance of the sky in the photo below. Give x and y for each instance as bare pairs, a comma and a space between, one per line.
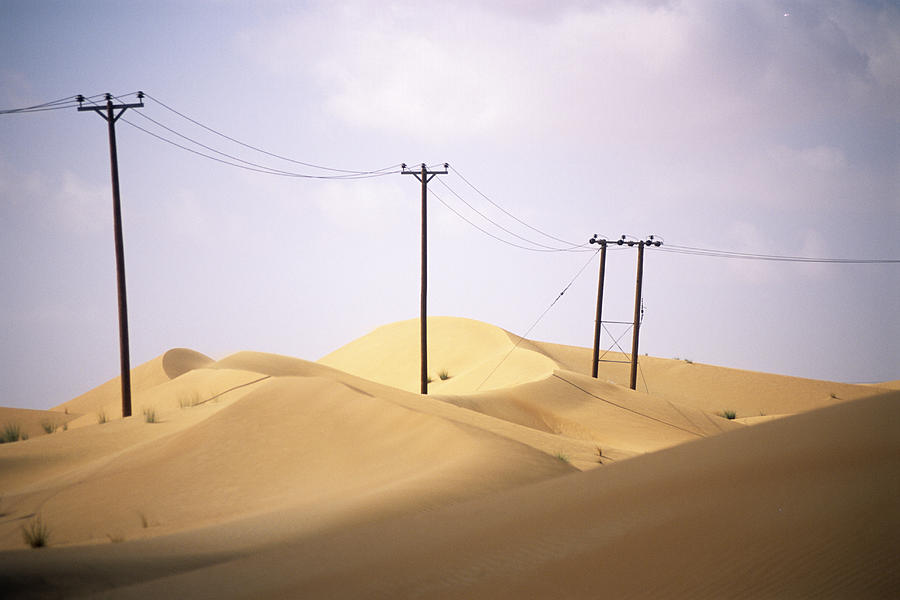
747, 126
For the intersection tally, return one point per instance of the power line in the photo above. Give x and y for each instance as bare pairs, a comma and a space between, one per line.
501, 227
257, 166
62, 103
509, 214
499, 239
252, 166
689, 250
266, 152
631, 410
538, 320
246, 165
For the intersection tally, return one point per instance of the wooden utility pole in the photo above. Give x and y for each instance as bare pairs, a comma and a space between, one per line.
599, 321
424, 176
637, 305
637, 315
110, 116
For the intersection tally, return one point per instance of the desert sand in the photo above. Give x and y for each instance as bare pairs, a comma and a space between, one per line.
517, 476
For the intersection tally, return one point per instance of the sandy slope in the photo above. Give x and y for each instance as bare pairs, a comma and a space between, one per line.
468, 350
33, 423
471, 351
270, 476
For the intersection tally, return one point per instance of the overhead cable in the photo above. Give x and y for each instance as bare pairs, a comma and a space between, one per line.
538, 320
509, 214
501, 227
499, 239
266, 152
672, 248
67, 102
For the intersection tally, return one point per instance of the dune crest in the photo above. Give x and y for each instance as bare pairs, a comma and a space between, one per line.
164, 367
475, 356
178, 361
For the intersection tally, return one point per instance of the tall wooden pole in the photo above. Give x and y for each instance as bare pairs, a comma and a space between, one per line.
637, 315
423, 312
424, 176
599, 320
124, 355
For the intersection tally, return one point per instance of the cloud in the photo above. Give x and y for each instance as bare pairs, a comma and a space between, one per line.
64, 203
365, 207
823, 158
694, 72
81, 207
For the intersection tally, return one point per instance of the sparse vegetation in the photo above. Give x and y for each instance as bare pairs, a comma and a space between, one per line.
189, 399
444, 375
11, 433
36, 533
688, 361
144, 522
834, 396
101, 417
560, 456
428, 379
150, 415
48, 426
599, 455
729, 414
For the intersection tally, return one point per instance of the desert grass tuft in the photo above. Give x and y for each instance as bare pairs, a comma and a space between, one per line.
150, 415
11, 433
48, 426
145, 523
101, 417
562, 457
36, 533
599, 455
189, 399
729, 414
444, 375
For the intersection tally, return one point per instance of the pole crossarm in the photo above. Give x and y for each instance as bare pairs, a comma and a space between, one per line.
424, 175
423, 171
109, 107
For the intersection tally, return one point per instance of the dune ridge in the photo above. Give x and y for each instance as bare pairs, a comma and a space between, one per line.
273, 476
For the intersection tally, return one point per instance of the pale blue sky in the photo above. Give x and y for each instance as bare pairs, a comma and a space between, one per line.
718, 125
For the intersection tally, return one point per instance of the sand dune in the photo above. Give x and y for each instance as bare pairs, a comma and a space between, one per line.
33, 423
471, 351
518, 476
468, 350
766, 512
